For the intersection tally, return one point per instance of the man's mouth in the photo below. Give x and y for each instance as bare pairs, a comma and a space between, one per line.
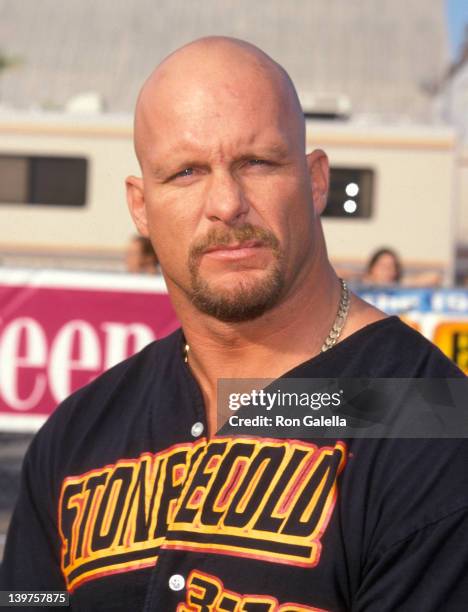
234, 246
234, 250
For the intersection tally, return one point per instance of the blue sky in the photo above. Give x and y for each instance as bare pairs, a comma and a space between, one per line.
457, 12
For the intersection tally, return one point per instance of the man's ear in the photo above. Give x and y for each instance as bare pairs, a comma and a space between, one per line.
319, 172
136, 203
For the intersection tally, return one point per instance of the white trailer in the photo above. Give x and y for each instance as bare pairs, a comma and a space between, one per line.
406, 179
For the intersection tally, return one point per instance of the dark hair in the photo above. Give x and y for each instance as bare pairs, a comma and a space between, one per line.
386, 251
146, 247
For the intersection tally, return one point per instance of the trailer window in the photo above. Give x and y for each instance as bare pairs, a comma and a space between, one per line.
351, 193
39, 180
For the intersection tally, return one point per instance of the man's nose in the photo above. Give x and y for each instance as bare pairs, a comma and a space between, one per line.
226, 200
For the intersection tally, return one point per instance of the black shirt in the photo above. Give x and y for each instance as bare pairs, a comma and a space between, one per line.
125, 504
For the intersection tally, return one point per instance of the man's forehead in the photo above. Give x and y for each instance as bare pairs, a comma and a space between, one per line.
211, 81
216, 86
185, 149
221, 133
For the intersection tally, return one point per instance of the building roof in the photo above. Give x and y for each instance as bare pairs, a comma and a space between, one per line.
384, 57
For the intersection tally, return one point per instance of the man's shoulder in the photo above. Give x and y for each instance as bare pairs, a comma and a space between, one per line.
405, 352
387, 348
119, 389
142, 367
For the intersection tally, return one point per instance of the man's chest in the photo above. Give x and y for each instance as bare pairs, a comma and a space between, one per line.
225, 524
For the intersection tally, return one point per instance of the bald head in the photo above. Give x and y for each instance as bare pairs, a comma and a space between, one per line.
215, 73
220, 136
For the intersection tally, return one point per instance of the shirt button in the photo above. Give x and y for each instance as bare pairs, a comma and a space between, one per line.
197, 429
176, 582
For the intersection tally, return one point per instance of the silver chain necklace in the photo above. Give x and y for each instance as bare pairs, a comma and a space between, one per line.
337, 327
340, 320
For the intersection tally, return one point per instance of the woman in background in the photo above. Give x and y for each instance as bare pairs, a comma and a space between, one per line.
140, 257
384, 268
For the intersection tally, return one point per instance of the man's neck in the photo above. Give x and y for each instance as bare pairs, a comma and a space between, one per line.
267, 347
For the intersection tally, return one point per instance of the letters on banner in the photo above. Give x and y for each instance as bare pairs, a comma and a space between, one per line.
59, 331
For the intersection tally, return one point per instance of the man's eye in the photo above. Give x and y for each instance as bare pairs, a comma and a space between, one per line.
257, 162
184, 172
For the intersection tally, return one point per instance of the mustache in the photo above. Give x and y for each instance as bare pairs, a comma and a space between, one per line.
222, 237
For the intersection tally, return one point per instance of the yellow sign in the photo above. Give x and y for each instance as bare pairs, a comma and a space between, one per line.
452, 339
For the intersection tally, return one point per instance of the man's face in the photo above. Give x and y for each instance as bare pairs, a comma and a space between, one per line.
237, 246
227, 198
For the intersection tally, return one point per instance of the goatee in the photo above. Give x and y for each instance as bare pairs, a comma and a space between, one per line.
246, 300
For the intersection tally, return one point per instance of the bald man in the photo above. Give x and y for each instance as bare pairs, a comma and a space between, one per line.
130, 500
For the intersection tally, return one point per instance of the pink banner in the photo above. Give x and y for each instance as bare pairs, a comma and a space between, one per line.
55, 339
